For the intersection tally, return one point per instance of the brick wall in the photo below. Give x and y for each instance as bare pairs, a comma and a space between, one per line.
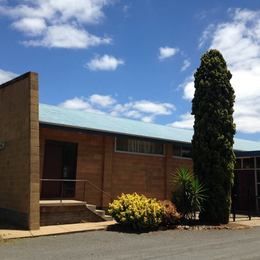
138, 173
19, 160
115, 172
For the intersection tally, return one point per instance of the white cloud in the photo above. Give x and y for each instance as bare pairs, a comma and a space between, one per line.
167, 52
67, 36
105, 62
75, 103
185, 65
30, 26
188, 88
57, 23
133, 114
239, 42
102, 100
148, 119
147, 106
82, 11
80, 103
186, 121
143, 110
206, 35
6, 76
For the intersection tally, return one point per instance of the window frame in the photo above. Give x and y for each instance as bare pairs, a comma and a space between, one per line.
178, 156
138, 153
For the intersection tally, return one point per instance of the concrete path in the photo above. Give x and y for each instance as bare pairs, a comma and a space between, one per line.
81, 227
54, 230
254, 222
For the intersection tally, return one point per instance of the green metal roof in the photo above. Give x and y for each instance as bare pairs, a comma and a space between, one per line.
53, 115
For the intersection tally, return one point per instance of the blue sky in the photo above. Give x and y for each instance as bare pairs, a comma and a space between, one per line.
133, 59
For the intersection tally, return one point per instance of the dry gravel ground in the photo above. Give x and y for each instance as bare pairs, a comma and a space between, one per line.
171, 244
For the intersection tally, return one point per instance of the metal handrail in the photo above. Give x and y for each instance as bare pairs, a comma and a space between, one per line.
77, 180
63, 180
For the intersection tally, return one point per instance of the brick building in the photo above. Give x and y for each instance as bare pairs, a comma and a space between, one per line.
48, 153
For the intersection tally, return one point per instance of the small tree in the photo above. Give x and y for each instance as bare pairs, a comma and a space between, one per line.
214, 130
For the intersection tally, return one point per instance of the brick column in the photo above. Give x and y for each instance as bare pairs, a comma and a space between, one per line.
19, 160
34, 207
107, 170
168, 171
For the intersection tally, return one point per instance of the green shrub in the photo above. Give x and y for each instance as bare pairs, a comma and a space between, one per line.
170, 214
189, 193
136, 211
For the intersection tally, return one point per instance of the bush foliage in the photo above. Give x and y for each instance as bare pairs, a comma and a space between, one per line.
136, 211
170, 214
214, 129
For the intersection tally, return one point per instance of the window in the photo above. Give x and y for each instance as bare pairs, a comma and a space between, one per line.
238, 164
124, 144
248, 163
258, 176
182, 150
258, 162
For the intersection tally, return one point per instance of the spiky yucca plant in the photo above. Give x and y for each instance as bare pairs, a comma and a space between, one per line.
189, 193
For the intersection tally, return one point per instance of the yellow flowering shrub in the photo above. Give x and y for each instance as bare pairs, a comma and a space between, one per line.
136, 211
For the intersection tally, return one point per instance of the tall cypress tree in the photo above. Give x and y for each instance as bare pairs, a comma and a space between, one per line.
214, 130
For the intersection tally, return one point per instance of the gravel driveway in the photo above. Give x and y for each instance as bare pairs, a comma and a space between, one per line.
171, 244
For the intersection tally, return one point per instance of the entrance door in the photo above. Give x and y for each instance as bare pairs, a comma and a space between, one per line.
245, 190
60, 161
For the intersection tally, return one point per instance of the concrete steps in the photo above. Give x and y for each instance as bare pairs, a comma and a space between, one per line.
100, 212
69, 212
